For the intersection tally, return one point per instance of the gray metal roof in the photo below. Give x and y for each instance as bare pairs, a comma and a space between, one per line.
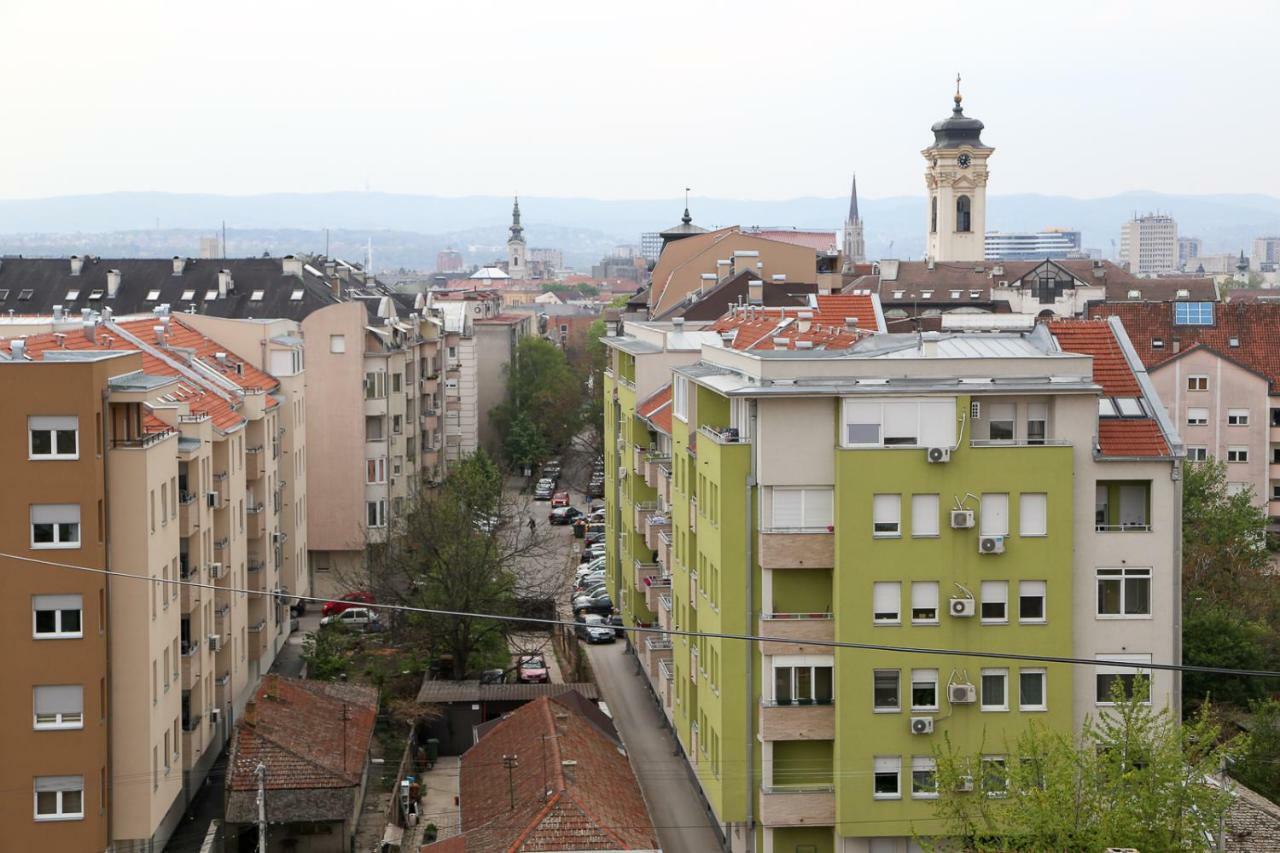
474, 691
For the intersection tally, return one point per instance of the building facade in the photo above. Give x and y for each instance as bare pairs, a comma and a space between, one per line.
956, 177
796, 497
1188, 248
517, 253
1149, 244
1033, 246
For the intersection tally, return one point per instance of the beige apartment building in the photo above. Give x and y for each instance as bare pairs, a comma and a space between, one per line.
190, 482
1149, 244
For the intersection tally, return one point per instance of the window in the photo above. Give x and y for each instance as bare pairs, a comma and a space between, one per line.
887, 770
337, 344
1193, 313
1236, 453
1197, 383
59, 706
680, 398
1197, 416
1237, 417
884, 690
886, 602
1108, 675
924, 601
56, 617
995, 778
1124, 593
1031, 595
995, 689
397, 423
924, 777
257, 295
1197, 453
53, 437
963, 213
803, 509
1235, 488
1037, 422
924, 690
1031, 690
899, 423
55, 526
886, 515
375, 470
994, 516
1033, 514
375, 385
1000, 422
188, 295
373, 428
376, 513
72, 295
802, 679
933, 215
294, 296
995, 601
59, 798
924, 515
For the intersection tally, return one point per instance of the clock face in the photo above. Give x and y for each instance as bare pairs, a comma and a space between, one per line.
963, 161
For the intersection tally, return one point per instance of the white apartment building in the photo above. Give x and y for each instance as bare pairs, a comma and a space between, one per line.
1149, 244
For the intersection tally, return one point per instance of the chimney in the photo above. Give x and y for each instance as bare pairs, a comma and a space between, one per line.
709, 280
929, 344
755, 291
804, 344
330, 269
225, 284
178, 265
17, 348
743, 260
159, 330
221, 357
851, 322
677, 324
107, 314
57, 313
250, 715
113, 283
929, 266
780, 277
292, 266
90, 328
77, 264
805, 321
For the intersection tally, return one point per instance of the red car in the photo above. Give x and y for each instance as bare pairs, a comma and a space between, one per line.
351, 599
559, 499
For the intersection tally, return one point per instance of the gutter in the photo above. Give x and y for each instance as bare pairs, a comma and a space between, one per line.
750, 648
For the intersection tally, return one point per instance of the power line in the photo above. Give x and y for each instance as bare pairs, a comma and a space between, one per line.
675, 632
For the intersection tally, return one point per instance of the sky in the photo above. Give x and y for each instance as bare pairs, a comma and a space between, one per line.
631, 100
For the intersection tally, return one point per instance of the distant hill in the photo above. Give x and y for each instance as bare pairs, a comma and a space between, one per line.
407, 230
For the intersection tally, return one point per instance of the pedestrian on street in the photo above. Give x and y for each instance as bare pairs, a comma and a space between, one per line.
532, 524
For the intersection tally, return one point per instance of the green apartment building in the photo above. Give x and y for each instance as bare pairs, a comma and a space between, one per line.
997, 492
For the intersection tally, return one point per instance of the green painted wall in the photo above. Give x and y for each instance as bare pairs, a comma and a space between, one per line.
803, 839
802, 591
802, 762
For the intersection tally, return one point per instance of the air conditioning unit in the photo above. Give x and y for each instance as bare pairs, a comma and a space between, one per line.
938, 454
922, 725
975, 410
215, 499
961, 519
215, 571
215, 642
991, 545
962, 694
622, 472
215, 714
963, 607
964, 783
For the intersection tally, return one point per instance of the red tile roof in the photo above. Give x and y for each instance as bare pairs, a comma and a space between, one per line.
1255, 326
299, 728
835, 308
657, 409
594, 803
1131, 437
756, 328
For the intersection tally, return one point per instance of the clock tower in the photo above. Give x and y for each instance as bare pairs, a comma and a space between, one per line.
956, 176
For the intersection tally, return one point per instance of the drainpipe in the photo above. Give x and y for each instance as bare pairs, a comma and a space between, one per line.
751, 704
1176, 575
106, 611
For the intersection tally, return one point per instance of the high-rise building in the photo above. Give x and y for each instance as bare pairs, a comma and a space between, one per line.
1149, 244
449, 260
1266, 254
853, 245
1188, 248
982, 492
517, 257
651, 246
956, 176
1051, 244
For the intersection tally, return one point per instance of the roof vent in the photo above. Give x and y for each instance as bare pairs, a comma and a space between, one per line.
779, 276
929, 266
291, 266
16, 347
225, 284
1183, 294
113, 283
77, 264
781, 342
851, 322
221, 357
1233, 342
178, 265
804, 344
90, 329
159, 330
57, 313
678, 323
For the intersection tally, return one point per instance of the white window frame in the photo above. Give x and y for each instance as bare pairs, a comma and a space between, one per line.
993, 672
1034, 589
925, 508
924, 764
337, 344
924, 594
52, 424
934, 422
897, 688
882, 766
52, 603
55, 515
1102, 669
798, 662
886, 510
1197, 382
379, 508
680, 398
990, 760
1122, 574
1002, 413
923, 677
881, 591
1237, 417
1033, 507
1197, 453
993, 516
811, 509
1197, 416
994, 592
1237, 453
1037, 413
1041, 673
378, 466
59, 785
56, 720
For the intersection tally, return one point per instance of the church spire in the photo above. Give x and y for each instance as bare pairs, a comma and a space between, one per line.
517, 230
686, 219
853, 200
853, 245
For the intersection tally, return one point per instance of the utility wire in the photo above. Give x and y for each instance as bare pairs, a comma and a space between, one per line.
673, 632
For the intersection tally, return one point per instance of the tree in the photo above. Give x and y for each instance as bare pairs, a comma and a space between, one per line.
1216, 635
1134, 777
523, 444
1258, 764
597, 360
542, 387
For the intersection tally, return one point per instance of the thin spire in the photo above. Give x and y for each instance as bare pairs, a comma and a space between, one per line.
686, 219
853, 200
959, 98
517, 230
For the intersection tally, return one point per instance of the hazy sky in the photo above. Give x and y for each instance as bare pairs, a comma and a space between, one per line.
626, 100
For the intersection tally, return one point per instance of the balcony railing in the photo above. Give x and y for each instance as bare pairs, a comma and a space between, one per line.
1131, 527
192, 722
666, 669
723, 435
1019, 442
665, 602
190, 647
655, 644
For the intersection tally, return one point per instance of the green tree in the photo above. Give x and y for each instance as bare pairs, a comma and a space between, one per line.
543, 388
597, 360
1215, 635
523, 444
1224, 554
1258, 764
1134, 777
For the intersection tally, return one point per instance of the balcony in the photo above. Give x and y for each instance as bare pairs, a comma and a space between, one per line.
257, 576
664, 612
1123, 506
453, 404
664, 484
655, 526
794, 805
429, 385
799, 630
645, 573
658, 650
655, 588
221, 485
664, 548
255, 463
652, 469
191, 670
188, 514
643, 509
1020, 442
257, 521
722, 435
797, 548
693, 517
637, 460
797, 722
191, 595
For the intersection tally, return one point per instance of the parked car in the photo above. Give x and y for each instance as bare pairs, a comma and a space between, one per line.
596, 602
592, 553
551, 469
615, 621
353, 618
560, 499
588, 585
595, 565
595, 489
532, 669
565, 514
593, 629
347, 600
493, 676
544, 490
590, 539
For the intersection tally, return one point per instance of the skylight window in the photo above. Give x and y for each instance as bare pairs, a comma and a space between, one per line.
296, 296
73, 295
898, 294
25, 295
926, 294
152, 295
1130, 407
257, 295
1106, 408
210, 295
1233, 342
4, 294
1193, 313
975, 294
95, 294
188, 295
1135, 294
1157, 343
955, 294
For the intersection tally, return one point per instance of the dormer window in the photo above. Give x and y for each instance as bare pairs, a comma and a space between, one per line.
296, 296
975, 294
188, 295
926, 294
210, 295
152, 295
1135, 294
1157, 343
256, 296
1184, 294
73, 295
898, 294
955, 294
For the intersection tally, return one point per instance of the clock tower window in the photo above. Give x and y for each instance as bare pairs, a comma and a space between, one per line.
962, 213
933, 215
